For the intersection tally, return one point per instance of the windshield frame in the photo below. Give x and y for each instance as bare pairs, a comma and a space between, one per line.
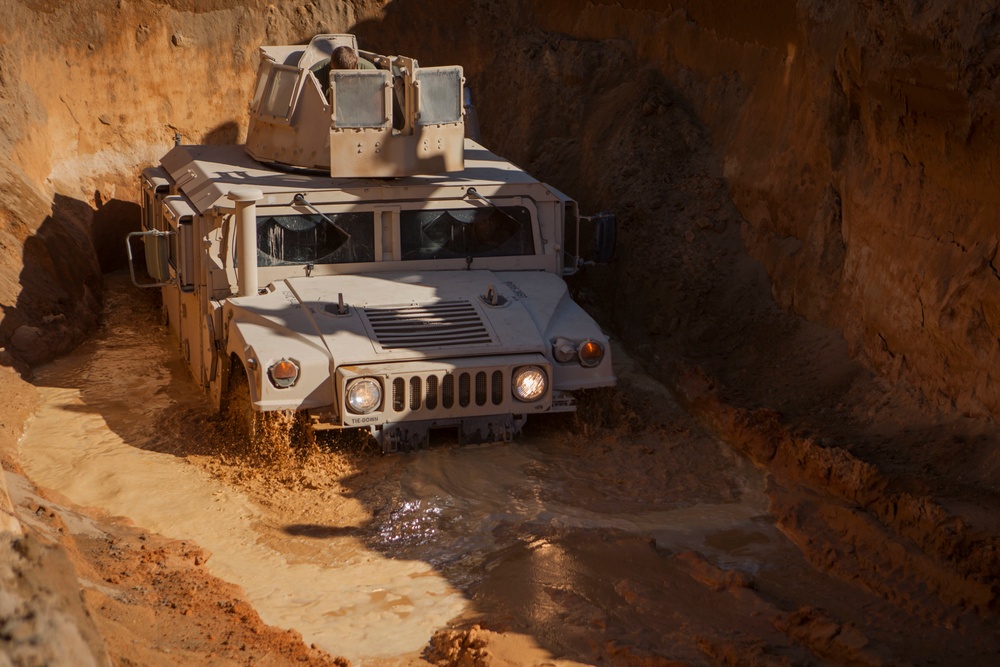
387, 238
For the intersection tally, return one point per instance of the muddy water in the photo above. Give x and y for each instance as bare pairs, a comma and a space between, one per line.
91, 440
467, 531
454, 500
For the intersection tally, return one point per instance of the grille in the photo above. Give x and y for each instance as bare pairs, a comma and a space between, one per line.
480, 388
497, 387
443, 324
464, 388
448, 391
398, 394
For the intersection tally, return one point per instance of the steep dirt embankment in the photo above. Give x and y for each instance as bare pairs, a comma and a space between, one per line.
90, 93
855, 141
858, 142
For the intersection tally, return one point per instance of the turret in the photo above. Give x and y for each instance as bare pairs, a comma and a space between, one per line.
387, 118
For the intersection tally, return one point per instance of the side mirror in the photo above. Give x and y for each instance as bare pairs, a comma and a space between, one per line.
156, 250
598, 235
594, 238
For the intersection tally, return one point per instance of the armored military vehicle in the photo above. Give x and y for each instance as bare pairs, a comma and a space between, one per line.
361, 264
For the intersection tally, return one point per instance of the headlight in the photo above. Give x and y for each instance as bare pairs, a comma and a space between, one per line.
591, 354
283, 373
529, 383
363, 395
588, 353
564, 350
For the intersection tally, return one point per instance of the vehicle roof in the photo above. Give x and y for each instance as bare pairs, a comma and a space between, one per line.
206, 173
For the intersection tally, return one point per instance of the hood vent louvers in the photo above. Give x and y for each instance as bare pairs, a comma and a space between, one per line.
441, 324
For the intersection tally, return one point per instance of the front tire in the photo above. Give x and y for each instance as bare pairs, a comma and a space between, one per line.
264, 438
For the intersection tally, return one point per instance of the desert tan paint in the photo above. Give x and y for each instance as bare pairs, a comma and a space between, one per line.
395, 119
307, 134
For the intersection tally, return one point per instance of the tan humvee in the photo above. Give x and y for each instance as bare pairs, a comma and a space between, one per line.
415, 284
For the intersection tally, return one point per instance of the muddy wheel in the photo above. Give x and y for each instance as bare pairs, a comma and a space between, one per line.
260, 437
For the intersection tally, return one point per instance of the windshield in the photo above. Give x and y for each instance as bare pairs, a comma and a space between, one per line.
309, 239
466, 232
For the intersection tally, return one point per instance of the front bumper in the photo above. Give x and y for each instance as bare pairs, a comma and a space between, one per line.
442, 392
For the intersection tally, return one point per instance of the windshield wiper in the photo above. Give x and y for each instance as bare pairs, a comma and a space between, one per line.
342, 236
474, 194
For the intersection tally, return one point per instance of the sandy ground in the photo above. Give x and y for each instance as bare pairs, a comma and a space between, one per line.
632, 537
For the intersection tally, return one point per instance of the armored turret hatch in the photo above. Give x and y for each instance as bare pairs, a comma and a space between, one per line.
389, 117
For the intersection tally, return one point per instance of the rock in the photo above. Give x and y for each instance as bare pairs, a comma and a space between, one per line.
11, 360
26, 338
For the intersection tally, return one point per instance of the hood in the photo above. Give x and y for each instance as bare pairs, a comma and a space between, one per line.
391, 317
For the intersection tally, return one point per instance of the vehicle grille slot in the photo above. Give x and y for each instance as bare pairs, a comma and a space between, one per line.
497, 387
481, 388
415, 393
437, 395
432, 392
442, 324
398, 394
464, 390
448, 391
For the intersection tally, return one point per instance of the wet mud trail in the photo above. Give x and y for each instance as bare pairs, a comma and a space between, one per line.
600, 545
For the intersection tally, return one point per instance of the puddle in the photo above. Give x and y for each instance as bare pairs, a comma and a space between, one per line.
453, 500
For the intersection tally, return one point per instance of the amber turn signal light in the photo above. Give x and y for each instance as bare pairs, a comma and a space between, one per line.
591, 354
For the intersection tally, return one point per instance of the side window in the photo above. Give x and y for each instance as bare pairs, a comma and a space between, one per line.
152, 207
340, 238
275, 90
182, 252
263, 74
173, 251
148, 207
278, 99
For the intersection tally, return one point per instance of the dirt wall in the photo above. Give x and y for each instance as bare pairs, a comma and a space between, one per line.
90, 93
854, 143
858, 141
